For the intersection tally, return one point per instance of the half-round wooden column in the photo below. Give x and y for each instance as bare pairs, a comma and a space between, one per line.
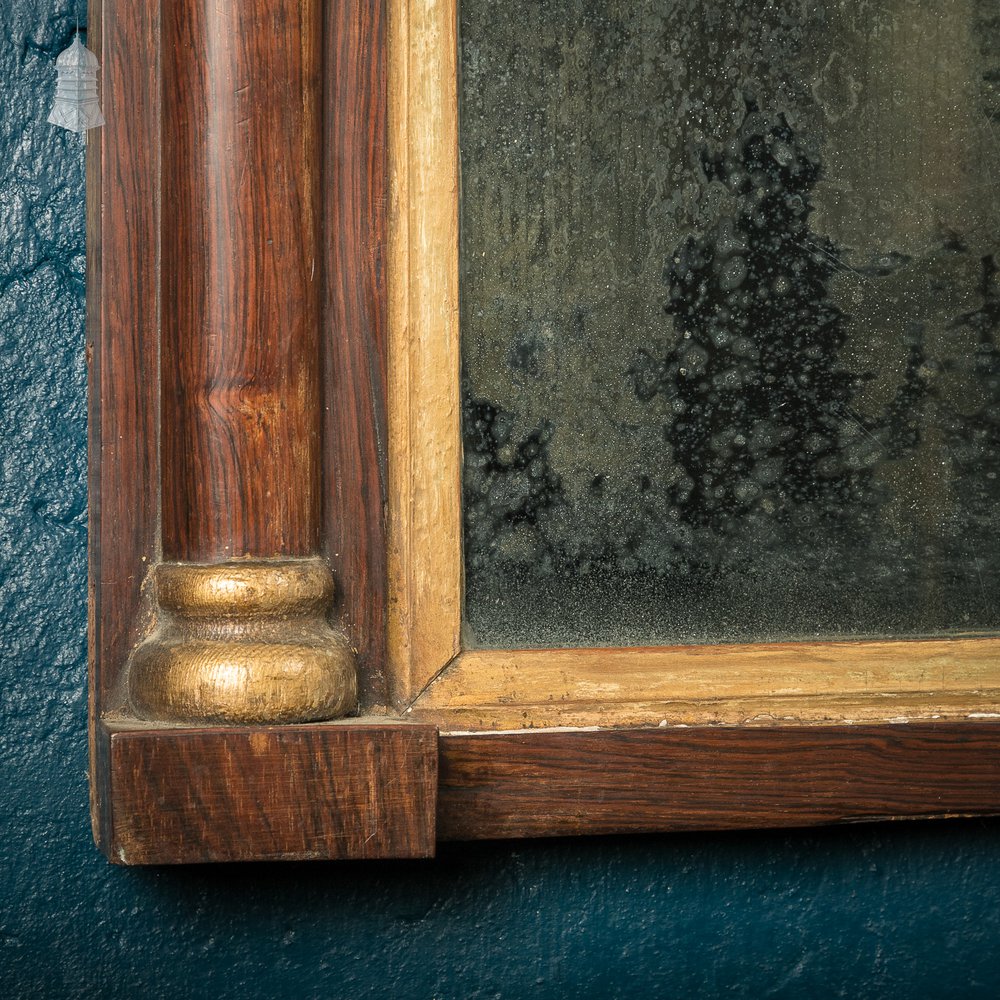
242, 592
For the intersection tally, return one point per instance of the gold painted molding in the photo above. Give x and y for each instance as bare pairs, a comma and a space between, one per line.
243, 642
463, 689
840, 683
425, 447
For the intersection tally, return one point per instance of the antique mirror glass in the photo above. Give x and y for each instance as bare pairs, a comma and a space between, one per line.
730, 310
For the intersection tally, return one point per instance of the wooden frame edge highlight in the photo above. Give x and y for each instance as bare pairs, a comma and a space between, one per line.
794, 683
425, 581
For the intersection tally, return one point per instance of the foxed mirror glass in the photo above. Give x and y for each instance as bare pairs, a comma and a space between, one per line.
730, 307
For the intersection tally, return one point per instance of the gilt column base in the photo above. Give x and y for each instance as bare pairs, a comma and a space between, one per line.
243, 642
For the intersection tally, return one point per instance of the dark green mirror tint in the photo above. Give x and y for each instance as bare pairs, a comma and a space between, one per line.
730, 313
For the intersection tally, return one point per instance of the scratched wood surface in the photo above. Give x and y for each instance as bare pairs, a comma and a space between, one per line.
122, 345
629, 781
242, 275
425, 447
815, 682
273, 793
354, 331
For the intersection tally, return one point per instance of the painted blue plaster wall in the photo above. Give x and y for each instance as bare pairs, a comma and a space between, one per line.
905, 911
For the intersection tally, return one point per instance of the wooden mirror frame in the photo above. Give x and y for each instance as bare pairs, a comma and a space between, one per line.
272, 307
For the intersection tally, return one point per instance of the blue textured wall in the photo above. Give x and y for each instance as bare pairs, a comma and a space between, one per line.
862, 912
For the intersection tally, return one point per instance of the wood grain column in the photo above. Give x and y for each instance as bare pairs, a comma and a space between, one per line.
242, 593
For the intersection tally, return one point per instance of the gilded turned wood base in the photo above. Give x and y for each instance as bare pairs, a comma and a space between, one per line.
243, 642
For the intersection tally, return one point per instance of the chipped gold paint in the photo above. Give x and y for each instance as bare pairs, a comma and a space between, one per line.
243, 642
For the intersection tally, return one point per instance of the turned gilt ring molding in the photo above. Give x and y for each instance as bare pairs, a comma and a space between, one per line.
243, 643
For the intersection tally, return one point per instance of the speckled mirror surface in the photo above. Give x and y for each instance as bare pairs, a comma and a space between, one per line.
730, 309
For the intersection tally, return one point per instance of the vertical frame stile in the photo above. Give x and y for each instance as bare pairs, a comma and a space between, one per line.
354, 333
425, 552
123, 220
